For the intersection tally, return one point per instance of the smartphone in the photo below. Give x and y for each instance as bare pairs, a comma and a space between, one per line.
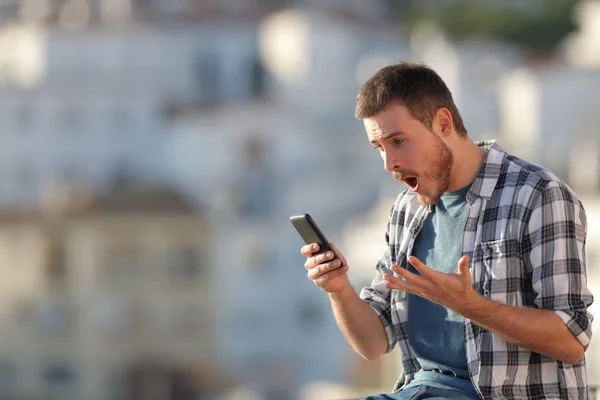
310, 233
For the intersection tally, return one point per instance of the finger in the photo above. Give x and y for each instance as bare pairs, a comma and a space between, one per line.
422, 268
317, 260
337, 272
323, 269
463, 266
398, 284
340, 256
393, 286
323, 279
406, 286
393, 280
407, 275
309, 249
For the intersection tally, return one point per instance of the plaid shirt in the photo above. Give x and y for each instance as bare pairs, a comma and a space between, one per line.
525, 235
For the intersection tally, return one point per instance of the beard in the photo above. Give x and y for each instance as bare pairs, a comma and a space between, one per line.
438, 174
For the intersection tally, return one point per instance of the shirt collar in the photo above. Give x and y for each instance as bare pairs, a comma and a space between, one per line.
487, 177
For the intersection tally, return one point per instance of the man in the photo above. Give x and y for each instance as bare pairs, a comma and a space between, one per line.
483, 283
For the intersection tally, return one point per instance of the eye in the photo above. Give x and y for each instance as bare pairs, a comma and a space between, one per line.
377, 146
399, 141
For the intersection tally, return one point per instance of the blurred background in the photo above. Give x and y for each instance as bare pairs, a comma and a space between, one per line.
151, 153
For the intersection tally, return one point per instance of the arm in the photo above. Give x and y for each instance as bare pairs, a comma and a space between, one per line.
553, 249
541, 331
358, 322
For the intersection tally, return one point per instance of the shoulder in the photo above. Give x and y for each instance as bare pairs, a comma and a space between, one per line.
540, 184
532, 172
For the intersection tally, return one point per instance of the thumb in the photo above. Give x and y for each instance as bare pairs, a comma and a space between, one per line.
463, 266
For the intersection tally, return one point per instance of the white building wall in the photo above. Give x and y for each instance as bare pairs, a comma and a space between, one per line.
315, 59
99, 100
547, 114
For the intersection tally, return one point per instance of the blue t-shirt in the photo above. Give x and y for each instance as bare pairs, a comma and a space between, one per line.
435, 333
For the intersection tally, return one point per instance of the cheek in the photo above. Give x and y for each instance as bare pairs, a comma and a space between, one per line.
430, 160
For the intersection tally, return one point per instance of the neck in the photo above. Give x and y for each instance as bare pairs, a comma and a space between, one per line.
468, 158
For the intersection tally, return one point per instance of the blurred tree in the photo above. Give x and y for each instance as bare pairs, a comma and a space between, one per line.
539, 29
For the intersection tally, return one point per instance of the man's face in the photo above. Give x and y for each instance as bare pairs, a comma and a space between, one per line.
412, 152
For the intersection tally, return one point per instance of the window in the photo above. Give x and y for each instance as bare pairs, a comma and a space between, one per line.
116, 317
258, 77
186, 320
54, 317
182, 264
258, 186
208, 77
59, 374
176, 319
70, 120
122, 174
56, 263
24, 118
123, 266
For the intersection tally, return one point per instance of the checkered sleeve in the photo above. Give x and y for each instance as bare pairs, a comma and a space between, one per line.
554, 243
379, 297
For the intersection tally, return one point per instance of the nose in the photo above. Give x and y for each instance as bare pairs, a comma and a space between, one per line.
390, 161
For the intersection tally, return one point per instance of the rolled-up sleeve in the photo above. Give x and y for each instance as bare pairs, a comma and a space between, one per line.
555, 246
379, 297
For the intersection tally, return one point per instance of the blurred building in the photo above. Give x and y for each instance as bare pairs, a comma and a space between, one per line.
93, 292
318, 60
541, 125
582, 48
472, 69
80, 107
548, 107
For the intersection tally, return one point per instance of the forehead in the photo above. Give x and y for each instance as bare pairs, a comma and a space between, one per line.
393, 118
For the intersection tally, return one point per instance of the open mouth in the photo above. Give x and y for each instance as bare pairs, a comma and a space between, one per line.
412, 183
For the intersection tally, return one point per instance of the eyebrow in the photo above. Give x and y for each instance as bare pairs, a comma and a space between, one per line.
389, 136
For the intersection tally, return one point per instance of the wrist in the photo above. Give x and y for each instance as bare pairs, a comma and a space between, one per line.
347, 292
475, 306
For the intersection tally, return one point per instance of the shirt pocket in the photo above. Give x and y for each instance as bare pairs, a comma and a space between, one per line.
505, 277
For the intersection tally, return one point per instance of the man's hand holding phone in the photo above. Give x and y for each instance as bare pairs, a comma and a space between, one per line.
324, 269
325, 265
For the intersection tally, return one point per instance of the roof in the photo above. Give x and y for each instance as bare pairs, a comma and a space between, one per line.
139, 201
121, 201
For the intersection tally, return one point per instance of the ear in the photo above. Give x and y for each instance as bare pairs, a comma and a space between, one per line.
443, 121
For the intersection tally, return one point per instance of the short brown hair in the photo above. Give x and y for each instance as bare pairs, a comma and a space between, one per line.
413, 85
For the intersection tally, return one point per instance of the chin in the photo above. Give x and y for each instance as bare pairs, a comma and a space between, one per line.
424, 201
427, 200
